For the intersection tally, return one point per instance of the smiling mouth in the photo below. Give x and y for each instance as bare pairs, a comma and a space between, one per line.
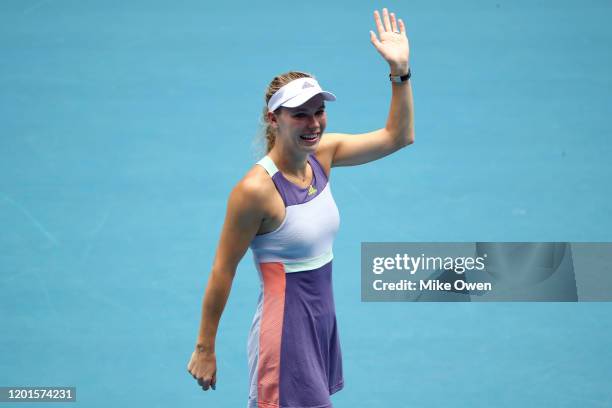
310, 137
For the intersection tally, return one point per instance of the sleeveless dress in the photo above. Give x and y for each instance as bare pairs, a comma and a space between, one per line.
293, 348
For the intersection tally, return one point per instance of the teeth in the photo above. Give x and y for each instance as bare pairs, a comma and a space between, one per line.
309, 136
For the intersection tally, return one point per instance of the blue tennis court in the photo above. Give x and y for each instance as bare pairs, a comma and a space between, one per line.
124, 126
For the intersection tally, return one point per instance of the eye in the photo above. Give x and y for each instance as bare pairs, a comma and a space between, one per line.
320, 112
299, 115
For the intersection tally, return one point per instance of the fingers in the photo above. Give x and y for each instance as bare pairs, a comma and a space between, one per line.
402, 27
378, 23
373, 39
386, 20
393, 23
388, 23
205, 384
190, 364
203, 369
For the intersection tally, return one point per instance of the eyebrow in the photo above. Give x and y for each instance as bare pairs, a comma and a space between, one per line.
300, 109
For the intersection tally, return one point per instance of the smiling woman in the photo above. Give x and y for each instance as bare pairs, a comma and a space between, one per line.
283, 209
279, 94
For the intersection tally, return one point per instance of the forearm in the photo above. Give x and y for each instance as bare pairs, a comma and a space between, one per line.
400, 123
215, 298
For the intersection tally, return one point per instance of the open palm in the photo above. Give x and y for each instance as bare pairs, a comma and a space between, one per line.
392, 42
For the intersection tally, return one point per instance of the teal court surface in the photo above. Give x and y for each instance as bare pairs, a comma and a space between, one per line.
124, 125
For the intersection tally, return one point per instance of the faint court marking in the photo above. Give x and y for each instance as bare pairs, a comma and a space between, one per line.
35, 6
95, 233
32, 219
109, 301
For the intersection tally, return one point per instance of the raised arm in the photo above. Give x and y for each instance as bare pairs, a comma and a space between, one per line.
348, 150
242, 220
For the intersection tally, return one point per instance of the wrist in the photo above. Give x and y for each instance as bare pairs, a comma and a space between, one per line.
399, 69
400, 79
202, 348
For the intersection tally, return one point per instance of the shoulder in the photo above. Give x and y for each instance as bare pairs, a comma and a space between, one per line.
253, 190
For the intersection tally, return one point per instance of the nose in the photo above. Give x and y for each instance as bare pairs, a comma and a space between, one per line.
313, 122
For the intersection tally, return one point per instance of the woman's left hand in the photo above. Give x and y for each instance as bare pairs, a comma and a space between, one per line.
393, 42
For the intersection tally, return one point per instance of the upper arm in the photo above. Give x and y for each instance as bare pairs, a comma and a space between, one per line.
242, 220
350, 150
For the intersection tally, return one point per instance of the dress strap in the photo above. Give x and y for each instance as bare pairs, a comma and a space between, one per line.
267, 163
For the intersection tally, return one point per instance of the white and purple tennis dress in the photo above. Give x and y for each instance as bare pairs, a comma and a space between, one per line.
293, 348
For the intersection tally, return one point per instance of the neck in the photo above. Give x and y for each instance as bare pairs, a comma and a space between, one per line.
292, 163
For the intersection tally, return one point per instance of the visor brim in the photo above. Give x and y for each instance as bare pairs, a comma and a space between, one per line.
306, 96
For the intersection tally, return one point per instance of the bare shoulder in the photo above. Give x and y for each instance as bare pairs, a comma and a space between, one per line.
246, 210
254, 189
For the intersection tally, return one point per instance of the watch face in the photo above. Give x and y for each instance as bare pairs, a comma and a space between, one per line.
396, 79
402, 78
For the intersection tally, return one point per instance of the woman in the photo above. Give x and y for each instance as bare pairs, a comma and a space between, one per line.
283, 210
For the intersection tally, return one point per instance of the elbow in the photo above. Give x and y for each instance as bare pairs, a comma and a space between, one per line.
406, 139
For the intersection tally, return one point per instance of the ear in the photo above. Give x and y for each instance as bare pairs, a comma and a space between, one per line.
272, 120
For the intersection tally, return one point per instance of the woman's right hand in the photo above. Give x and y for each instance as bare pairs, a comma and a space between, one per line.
203, 367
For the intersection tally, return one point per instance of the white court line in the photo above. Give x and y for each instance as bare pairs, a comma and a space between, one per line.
32, 219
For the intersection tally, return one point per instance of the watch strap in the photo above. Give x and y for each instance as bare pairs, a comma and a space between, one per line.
400, 78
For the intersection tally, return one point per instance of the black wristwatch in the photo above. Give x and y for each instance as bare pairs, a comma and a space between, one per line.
399, 79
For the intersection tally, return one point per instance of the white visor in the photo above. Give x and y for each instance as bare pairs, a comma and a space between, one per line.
296, 92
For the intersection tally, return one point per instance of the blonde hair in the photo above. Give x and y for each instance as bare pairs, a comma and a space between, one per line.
277, 83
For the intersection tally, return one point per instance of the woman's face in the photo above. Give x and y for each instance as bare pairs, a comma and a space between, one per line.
302, 127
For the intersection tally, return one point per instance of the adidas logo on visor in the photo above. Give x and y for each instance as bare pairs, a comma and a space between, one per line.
307, 85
